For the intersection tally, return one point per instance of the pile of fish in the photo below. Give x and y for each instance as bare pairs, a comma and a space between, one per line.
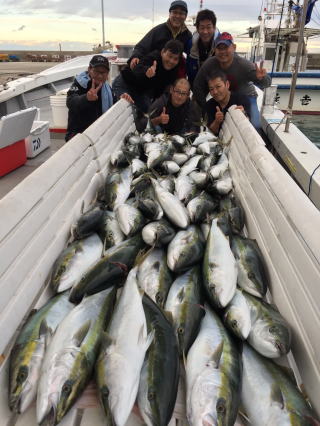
160, 278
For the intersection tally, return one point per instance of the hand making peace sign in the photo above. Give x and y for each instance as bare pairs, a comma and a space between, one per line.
92, 94
260, 71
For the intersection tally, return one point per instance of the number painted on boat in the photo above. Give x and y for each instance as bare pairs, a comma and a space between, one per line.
36, 143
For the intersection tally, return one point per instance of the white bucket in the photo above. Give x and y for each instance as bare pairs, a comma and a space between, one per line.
59, 111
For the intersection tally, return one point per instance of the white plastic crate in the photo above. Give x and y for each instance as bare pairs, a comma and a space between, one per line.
39, 138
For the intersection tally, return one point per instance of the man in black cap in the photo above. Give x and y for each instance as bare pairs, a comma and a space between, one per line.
151, 77
89, 96
156, 38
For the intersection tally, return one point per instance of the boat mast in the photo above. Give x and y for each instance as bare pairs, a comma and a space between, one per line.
296, 65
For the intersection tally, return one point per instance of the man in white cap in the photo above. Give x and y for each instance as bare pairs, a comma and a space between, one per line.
156, 38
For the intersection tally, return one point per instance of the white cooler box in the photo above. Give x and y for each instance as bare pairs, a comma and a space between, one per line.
39, 138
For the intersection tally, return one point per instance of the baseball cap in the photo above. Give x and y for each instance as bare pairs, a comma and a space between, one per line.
99, 61
224, 38
179, 4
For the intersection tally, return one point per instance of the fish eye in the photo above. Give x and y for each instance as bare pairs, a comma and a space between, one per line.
22, 374
62, 269
67, 388
105, 392
234, 323
251, 275
150, 395
221, 406
180, 330
159, 298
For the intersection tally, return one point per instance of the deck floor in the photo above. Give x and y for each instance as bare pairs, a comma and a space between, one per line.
9, 181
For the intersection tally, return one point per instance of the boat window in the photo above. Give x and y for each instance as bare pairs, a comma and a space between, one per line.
269, 54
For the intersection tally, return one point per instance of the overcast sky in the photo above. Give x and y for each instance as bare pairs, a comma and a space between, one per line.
76, 24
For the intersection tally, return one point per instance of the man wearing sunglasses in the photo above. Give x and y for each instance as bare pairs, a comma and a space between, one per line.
90, 96
173, 112
156, 38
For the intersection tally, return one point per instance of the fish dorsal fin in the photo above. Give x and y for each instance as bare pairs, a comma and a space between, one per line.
43, 329
181, 294
106, 339
141, 256
80, 335
289, 373
216, 356
169, 316
276, 395
184, 359
150, 338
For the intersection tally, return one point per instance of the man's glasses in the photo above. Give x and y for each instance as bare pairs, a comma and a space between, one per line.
178, 92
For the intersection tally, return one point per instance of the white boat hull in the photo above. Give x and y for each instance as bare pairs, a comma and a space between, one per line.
35, 229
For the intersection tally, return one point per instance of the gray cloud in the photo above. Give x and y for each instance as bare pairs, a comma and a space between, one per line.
20, 28
126, 9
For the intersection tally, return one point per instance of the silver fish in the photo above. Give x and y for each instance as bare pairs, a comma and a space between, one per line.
186, 249
190, 166
173, 208
170, 167
213, 375
270, 396
180, 158
69, 360
154, 276
184, 303
252, 273
217, 171
74, 261
122, 354
219, 268
200, 207
29, 349
130, 219
158, 233
117, 187
109, 231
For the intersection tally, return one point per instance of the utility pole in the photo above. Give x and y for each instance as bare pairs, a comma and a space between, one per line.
102, 15
296, 65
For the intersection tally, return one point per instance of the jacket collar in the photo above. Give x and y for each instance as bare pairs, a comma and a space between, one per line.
174, 32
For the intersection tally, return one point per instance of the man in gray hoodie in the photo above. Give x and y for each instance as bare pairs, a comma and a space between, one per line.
241, 73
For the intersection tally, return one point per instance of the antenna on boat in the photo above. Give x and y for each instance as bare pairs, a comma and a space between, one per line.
102, 16
296, 65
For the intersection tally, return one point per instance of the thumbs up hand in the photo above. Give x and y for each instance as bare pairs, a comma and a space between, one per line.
219, 115
164, 118
152, 70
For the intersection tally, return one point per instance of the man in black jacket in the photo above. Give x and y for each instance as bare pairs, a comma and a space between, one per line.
89, 96
173, 112
156, 38
150, 78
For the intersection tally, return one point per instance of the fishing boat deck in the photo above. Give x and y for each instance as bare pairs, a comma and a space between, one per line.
9, 181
